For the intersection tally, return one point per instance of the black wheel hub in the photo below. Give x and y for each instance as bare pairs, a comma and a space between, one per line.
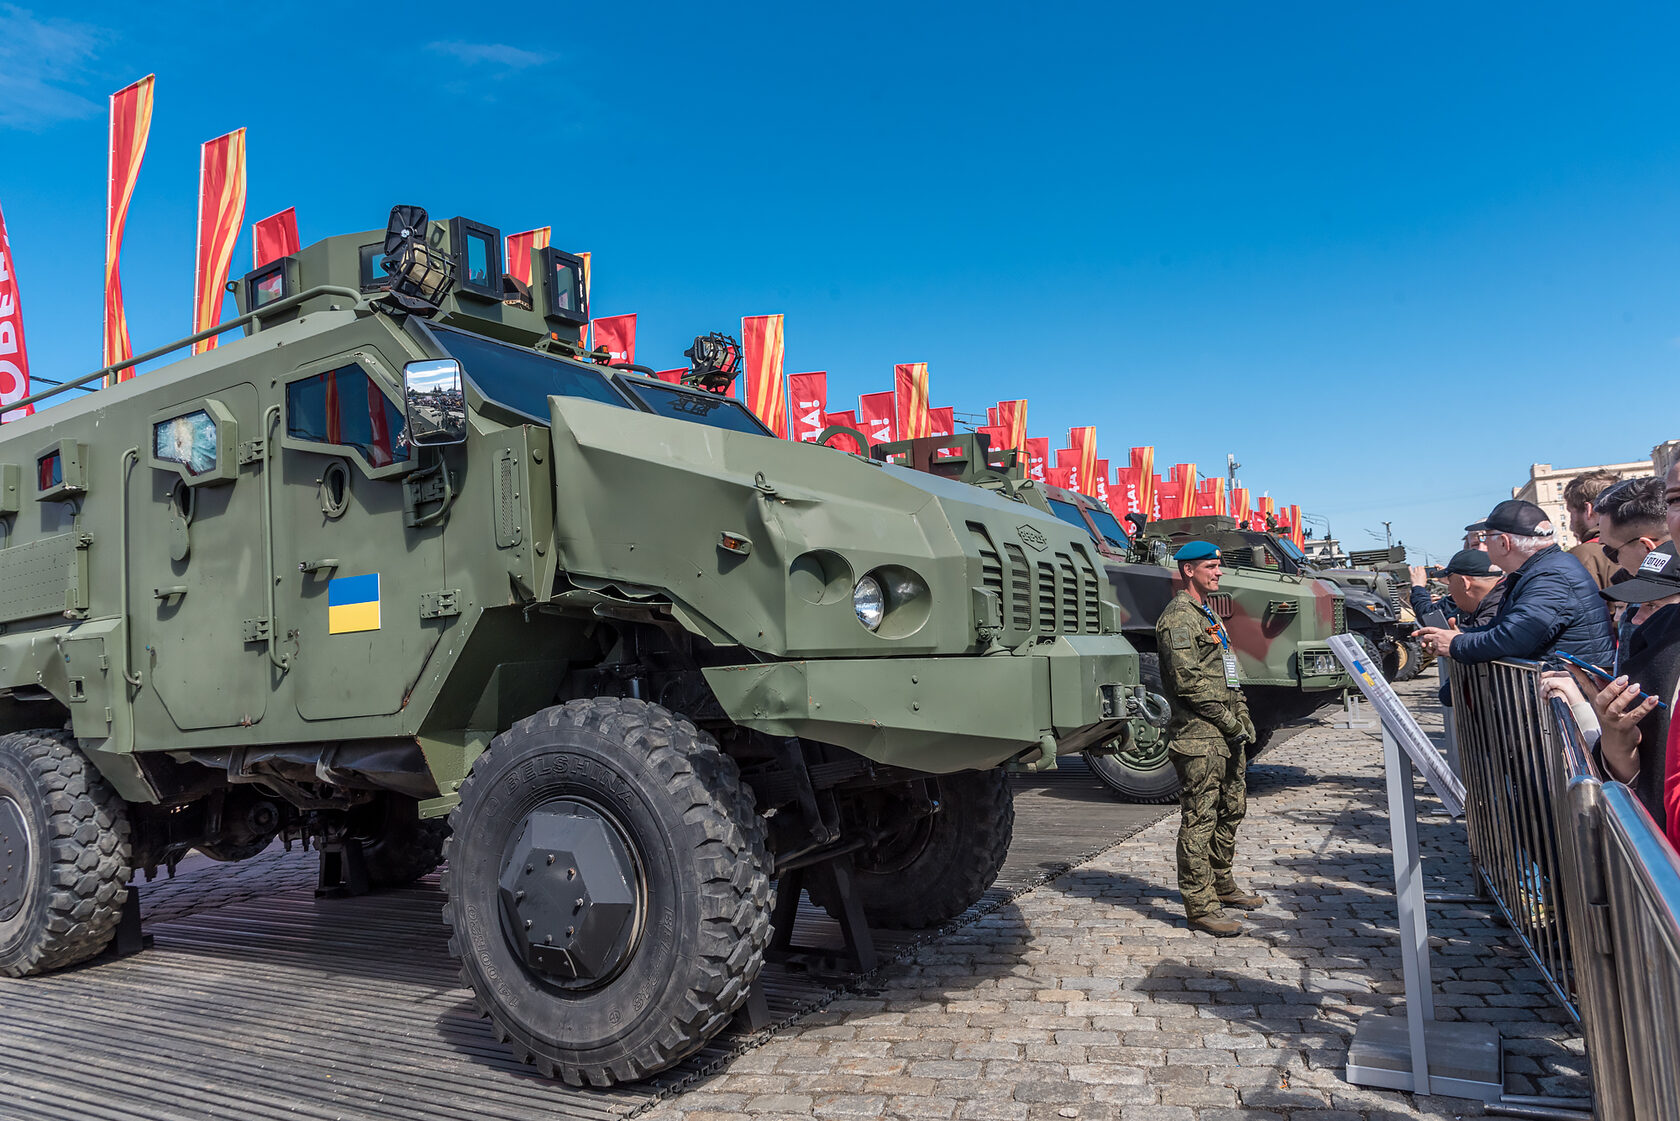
14, 858
570, 895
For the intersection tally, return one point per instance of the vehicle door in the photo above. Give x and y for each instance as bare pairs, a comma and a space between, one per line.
361, 585
195, 564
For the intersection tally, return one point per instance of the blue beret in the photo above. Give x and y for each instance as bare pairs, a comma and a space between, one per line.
1197, 550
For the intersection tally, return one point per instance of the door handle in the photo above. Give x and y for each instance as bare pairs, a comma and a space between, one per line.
326, 564
175, 592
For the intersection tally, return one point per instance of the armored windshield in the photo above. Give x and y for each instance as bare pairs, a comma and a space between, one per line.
701, 408
1109, 528
521, 379
1288, 549
1069, 513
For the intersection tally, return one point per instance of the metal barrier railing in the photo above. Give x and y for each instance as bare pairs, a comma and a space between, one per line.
1585, 877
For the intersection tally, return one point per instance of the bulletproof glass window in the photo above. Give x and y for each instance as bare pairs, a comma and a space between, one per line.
372, 261
478, 259
701, 408
189, 440
1109, 528
1070, 514
270, 288
346, 407
521, 379
49, 471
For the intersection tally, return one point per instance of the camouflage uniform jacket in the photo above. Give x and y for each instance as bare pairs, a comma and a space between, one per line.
1206, 712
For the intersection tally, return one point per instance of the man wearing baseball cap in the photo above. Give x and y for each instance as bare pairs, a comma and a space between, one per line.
1551, 602
1472, 589
1634, 731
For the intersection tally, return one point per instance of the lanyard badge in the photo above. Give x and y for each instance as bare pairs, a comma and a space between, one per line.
1230, 659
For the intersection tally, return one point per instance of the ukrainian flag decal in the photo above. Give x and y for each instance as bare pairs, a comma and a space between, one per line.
353, 604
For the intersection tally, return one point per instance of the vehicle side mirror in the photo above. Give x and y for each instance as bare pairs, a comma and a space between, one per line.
433, 404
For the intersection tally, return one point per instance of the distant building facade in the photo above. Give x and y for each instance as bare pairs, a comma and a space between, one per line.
1546, 483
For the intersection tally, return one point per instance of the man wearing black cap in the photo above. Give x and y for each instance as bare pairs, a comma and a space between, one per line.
1471, 579
1207, 743
1550, 603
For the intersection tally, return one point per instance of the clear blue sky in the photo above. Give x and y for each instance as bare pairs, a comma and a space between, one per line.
1387, 255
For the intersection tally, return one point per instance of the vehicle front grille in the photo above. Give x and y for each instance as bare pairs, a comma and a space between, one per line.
1060, 594
1338, 618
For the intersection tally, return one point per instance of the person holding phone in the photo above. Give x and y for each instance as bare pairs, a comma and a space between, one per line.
1630, 714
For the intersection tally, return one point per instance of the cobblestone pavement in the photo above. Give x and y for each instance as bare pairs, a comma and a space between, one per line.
1088, 997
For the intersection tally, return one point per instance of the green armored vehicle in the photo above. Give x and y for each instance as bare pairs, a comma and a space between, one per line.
1373, 603
404, 555
1279, 622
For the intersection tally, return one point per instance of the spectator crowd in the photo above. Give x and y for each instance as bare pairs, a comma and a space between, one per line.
1603, 617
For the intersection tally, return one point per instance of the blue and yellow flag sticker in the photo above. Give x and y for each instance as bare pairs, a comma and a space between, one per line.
353, 604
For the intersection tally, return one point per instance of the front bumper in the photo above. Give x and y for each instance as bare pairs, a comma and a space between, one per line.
942, 714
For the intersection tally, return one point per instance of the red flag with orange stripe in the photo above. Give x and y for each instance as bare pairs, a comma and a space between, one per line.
761, 352
1240, 509
131, 123
274, 237
221, 215
1297, 531
1143, 462
1012, 415
1084, 442
910, 401
519, 249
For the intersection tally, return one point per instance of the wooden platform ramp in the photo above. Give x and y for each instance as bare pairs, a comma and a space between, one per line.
260, 1001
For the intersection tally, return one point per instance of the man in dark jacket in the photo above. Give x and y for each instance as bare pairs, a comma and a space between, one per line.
1550, 603
1472, 599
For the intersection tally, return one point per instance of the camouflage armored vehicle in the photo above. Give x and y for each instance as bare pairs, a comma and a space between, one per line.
1385, 573
1373, 602
404, 555
1279, 622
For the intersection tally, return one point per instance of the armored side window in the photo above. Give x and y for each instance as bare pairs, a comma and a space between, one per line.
198, 442
346, 407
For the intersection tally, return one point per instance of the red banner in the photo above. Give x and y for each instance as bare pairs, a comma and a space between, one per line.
131, 123
808, 404
942, 422
1012, 415
1240, 509
1143, 463
518, 252
1156, 503
618, 334
1038, 458
1084, 442
673, 376
1060, 476
14, 356
1123, 497
847, 419
761, 352
1067, 461
875, 416
910, 401
1298, 532
1183, 505
274, 237
997, 437
1101, 490
1266, 510
221, 215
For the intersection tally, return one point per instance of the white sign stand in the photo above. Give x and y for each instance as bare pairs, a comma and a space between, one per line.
1394, 1052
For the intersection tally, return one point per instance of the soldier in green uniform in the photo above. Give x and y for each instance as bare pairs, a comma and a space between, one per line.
1206, 740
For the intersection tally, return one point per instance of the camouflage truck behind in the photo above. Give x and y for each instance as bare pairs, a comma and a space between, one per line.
405, 556
1279, 623
1373, 602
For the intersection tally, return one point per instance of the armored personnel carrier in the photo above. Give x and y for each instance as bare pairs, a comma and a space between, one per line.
1373, 601
406, 556
1279, 622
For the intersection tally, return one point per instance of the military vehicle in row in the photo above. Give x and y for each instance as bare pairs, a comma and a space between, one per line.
1279, 622
1372, 602
406, 556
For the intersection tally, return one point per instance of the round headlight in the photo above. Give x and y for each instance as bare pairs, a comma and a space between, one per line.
869, 603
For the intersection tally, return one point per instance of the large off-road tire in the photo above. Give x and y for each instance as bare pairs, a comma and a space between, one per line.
1409, 655
617, 829
1143, 773
64, 854
397, 844
937, 866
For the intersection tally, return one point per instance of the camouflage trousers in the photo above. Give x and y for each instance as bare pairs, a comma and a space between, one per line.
1213, 800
